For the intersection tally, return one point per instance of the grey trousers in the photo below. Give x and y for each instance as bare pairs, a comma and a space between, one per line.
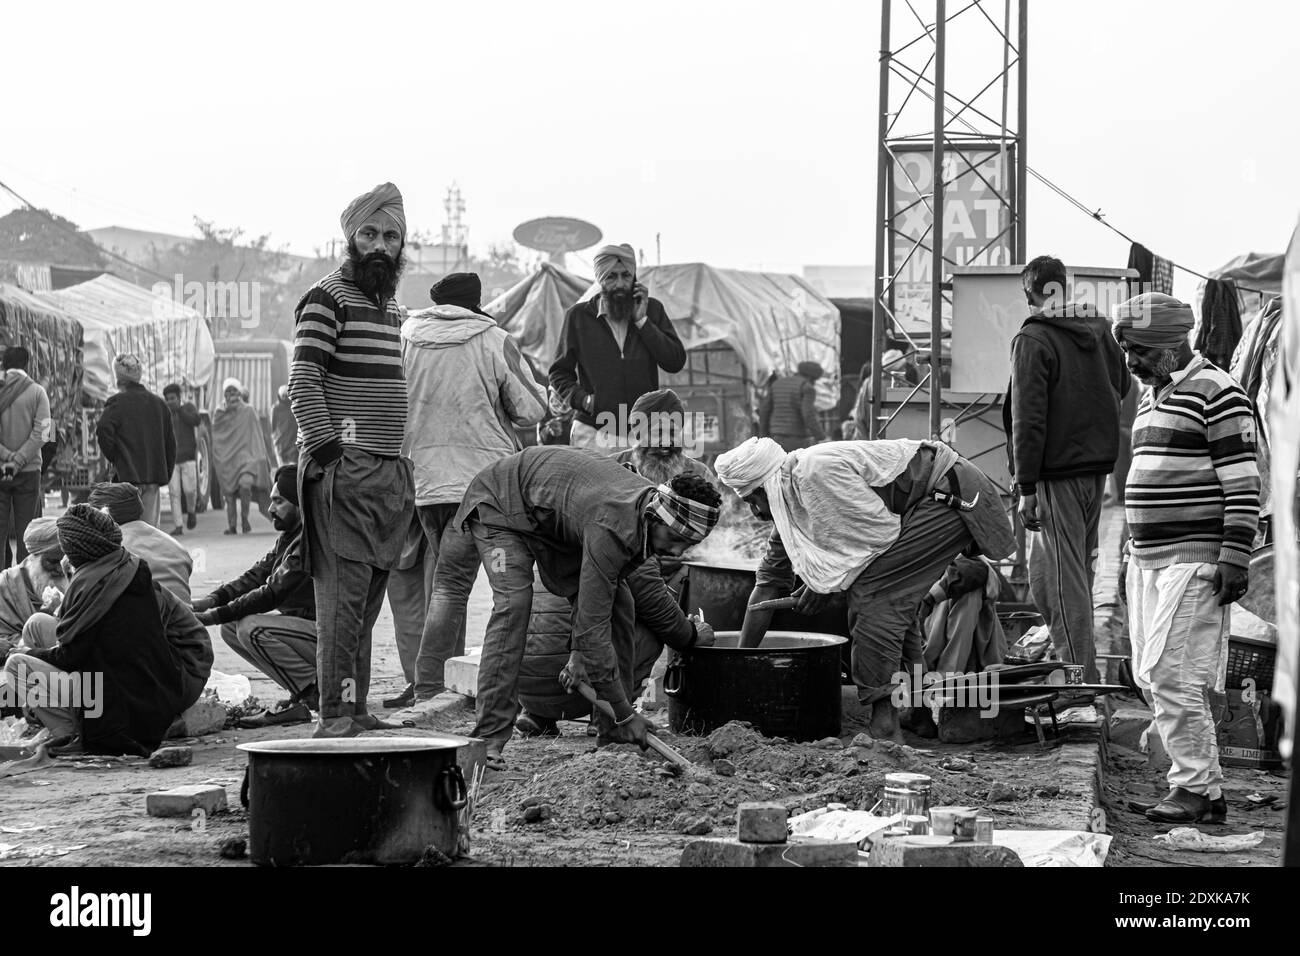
457, 564
280, 646
1062, 566
408, 599
885, 598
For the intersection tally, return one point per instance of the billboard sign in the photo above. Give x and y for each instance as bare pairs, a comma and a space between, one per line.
557, 234
976, 223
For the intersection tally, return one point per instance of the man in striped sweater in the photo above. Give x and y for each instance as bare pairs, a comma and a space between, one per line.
348, 392
1192, 502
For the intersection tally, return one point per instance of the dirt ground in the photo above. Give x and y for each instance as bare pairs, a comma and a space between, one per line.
562, 802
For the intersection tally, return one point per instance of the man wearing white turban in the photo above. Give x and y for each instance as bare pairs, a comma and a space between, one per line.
29, 587
611, 350
877, 520
347, 389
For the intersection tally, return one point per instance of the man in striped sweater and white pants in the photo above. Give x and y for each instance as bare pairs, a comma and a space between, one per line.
348, 392
1192, 502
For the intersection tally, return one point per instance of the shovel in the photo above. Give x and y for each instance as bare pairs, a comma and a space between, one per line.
657, 745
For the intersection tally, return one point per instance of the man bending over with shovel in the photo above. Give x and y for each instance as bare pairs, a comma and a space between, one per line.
587, 523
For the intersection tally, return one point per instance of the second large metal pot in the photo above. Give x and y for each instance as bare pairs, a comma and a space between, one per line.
382, 800
787, 687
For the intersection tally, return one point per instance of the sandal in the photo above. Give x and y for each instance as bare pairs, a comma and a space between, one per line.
530, 726
493, 760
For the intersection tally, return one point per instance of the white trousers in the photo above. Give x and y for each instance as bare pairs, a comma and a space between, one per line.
1179, 634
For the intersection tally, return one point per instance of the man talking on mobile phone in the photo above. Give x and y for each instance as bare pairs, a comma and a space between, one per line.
610, 353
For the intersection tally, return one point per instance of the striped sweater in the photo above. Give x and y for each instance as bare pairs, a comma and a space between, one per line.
1193, 490
347, 386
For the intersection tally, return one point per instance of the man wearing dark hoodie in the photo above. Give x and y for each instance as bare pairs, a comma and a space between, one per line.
1062, 422
468, 389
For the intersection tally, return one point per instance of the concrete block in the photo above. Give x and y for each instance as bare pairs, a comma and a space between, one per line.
461, 673
761, 823
207, 715
733, 853
916, 851
1126, 725
182, 801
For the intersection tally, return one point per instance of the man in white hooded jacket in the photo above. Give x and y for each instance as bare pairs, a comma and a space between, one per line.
469, 388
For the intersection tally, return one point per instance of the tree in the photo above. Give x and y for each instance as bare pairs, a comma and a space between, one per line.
38, 235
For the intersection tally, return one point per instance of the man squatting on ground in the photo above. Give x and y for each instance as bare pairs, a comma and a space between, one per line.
349, 397
587, 523
1192, 502
880, 520
268, 614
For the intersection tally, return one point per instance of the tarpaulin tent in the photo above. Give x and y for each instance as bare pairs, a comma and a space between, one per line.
772, 320
171, 339
532, 310
54, 340
1254, 273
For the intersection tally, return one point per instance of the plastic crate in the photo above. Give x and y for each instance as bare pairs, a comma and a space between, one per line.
1251, 660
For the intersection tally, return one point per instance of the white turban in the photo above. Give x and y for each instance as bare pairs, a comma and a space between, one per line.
41, 536
749, 464
609, 256
230, 383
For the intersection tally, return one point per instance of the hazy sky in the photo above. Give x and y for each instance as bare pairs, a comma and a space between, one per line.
744, 133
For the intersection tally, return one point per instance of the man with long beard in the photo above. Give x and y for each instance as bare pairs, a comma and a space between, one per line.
348, 392
657, 426
611, 350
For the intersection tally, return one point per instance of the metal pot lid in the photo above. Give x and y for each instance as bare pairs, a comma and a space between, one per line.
725, 564
355, 746
776, 642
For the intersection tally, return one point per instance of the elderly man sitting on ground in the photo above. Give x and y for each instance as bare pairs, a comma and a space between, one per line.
879, 520
169, 563
114, 682
38, 584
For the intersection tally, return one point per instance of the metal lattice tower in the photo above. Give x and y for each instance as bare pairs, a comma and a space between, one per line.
955, 122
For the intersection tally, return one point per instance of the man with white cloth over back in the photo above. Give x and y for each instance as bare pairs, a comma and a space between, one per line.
1192, 504
880, 520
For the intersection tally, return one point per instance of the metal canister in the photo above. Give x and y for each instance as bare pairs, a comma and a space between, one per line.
963, 827
917, 824
983, 829
906, 794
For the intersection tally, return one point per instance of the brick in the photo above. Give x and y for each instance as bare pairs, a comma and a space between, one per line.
1126, 725
761, 823
461, 673
733, 853
182, 801
171, 757
207, 715
917, 851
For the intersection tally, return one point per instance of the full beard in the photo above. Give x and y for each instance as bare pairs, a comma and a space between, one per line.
376, 273
621, 305
659, 469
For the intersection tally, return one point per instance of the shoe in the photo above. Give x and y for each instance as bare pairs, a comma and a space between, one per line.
1183, 806
248, 528
405, 699
191, 521
530, 726
335, 727
884, 721
230, 531
371, 722
591, 728
177, 531
286, 712
69, 745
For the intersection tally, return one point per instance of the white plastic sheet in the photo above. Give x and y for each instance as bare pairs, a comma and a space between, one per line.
1055, 847
229, 688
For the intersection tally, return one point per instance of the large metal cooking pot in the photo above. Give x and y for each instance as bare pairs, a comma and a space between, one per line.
788, 687
381, 800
